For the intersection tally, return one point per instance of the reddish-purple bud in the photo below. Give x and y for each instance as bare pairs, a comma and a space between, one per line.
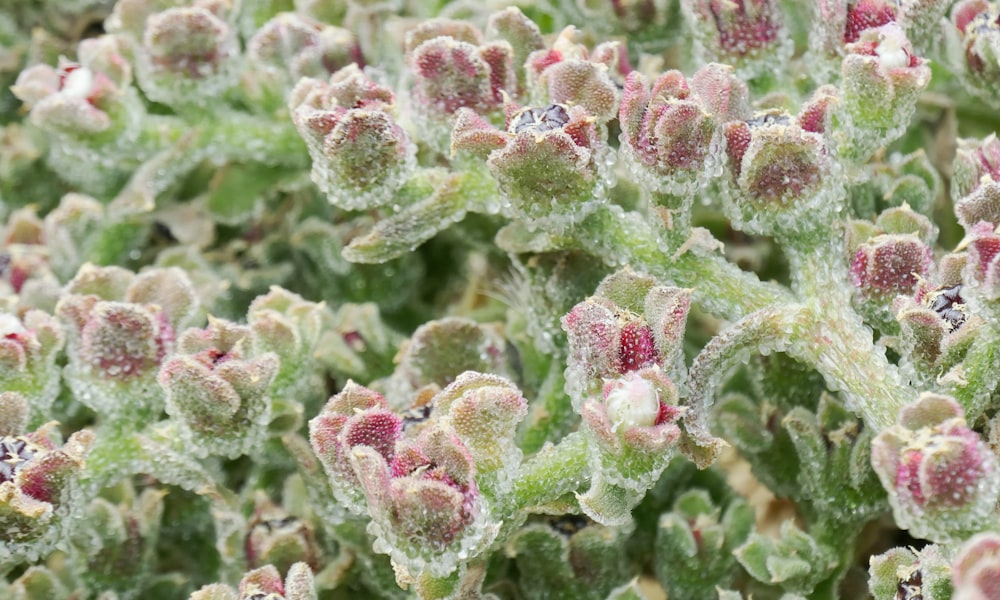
360, 154
975, 183
867, 14
976, 570
983, 268
941, 476
891, 264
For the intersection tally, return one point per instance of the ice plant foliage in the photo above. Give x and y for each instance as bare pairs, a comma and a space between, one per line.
530, 300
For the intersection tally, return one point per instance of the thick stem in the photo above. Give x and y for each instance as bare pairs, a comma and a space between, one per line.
720, 287
833, 338
553, 472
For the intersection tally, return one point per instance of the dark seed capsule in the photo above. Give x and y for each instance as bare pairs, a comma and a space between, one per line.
949, 305
417, 414
16, 452
567, 525
911, 588
540, 119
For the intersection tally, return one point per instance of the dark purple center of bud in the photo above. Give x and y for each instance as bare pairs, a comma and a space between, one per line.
908, 475
911, 588
637, 348
17, 452
949, 305
866, 14
539, 119
263, 596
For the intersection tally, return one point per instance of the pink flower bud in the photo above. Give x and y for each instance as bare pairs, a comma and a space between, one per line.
608, 339
188, 56
888, 265
355, 416
425, 504
983, 268
360, 155
121, 326
941, 476
218, 390
520, 32
746, 33
452, 68
673, 131
302, 47
976, 570
975, 184
71, 99
977, 24
867, 14
38, 481
881, 78
780, 172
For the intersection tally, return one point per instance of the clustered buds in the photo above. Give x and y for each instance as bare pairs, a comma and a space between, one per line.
289, 47
453, 68
781, 169
38, 483
219, 389
567, 73
941, 476
360, 155
427, 478
672, 130
975, 187
550, 164
746, 33
77, 100
977, 29
629, 324
188, 56
120, 328
265, 583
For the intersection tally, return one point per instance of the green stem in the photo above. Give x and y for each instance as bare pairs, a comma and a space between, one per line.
719, 286
159, 451
553, 472
979, 372
833, 338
